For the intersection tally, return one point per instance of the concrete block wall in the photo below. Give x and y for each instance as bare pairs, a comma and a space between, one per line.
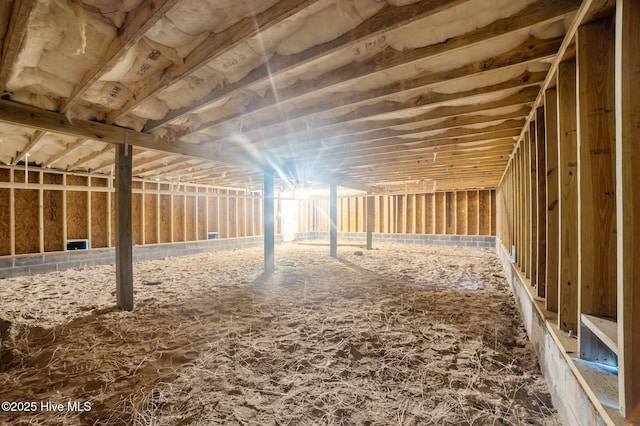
417, 239
30, 264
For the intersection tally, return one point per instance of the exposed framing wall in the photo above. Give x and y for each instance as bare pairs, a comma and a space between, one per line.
53, 207
578, 201
471, 212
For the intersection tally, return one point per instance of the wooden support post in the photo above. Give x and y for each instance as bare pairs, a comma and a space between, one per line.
551, 125
541, 169
533, 205
568, 198
124, 248
333, 218
627, 69
370, 218
269, 223
596, 168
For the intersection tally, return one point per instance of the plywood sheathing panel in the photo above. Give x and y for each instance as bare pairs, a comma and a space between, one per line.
99, 216
151, 214
77, 209
213, 201
5, 222
165, 215
190, 214
461, 212
52, 214
178, 218
484, 212
472, 213
223, 211
450, 212
202, 217
26, 207
493, 212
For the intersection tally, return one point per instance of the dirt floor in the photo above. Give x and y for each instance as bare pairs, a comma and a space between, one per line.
397, 335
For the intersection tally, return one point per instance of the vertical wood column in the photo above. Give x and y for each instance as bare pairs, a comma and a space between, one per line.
627, 69
568, 197
124, 247
333, 219
596, 169
533, 206
269, 223
542, 201
551, 125
371, 213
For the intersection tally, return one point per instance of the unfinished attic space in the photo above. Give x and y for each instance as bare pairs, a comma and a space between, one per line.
332, 212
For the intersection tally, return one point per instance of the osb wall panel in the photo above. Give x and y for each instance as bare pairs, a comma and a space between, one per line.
450, 212
472, 213
5, 244
76, 209
5, 175
484, 212
150, 214
136, 218
191, 217
178, 217
223, 223
233, 215
52, 214
202, 217
26, 217
460, 212
76, 215
165, 214
99, 220
257, 223
213, 213
19, 176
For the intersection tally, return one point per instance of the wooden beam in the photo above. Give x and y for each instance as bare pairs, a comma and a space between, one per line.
533, 199
28, 116
552, 219
16, 31
269, 223
568, 198
136, 25
596, 170
627, 106
124, 243
541, 170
